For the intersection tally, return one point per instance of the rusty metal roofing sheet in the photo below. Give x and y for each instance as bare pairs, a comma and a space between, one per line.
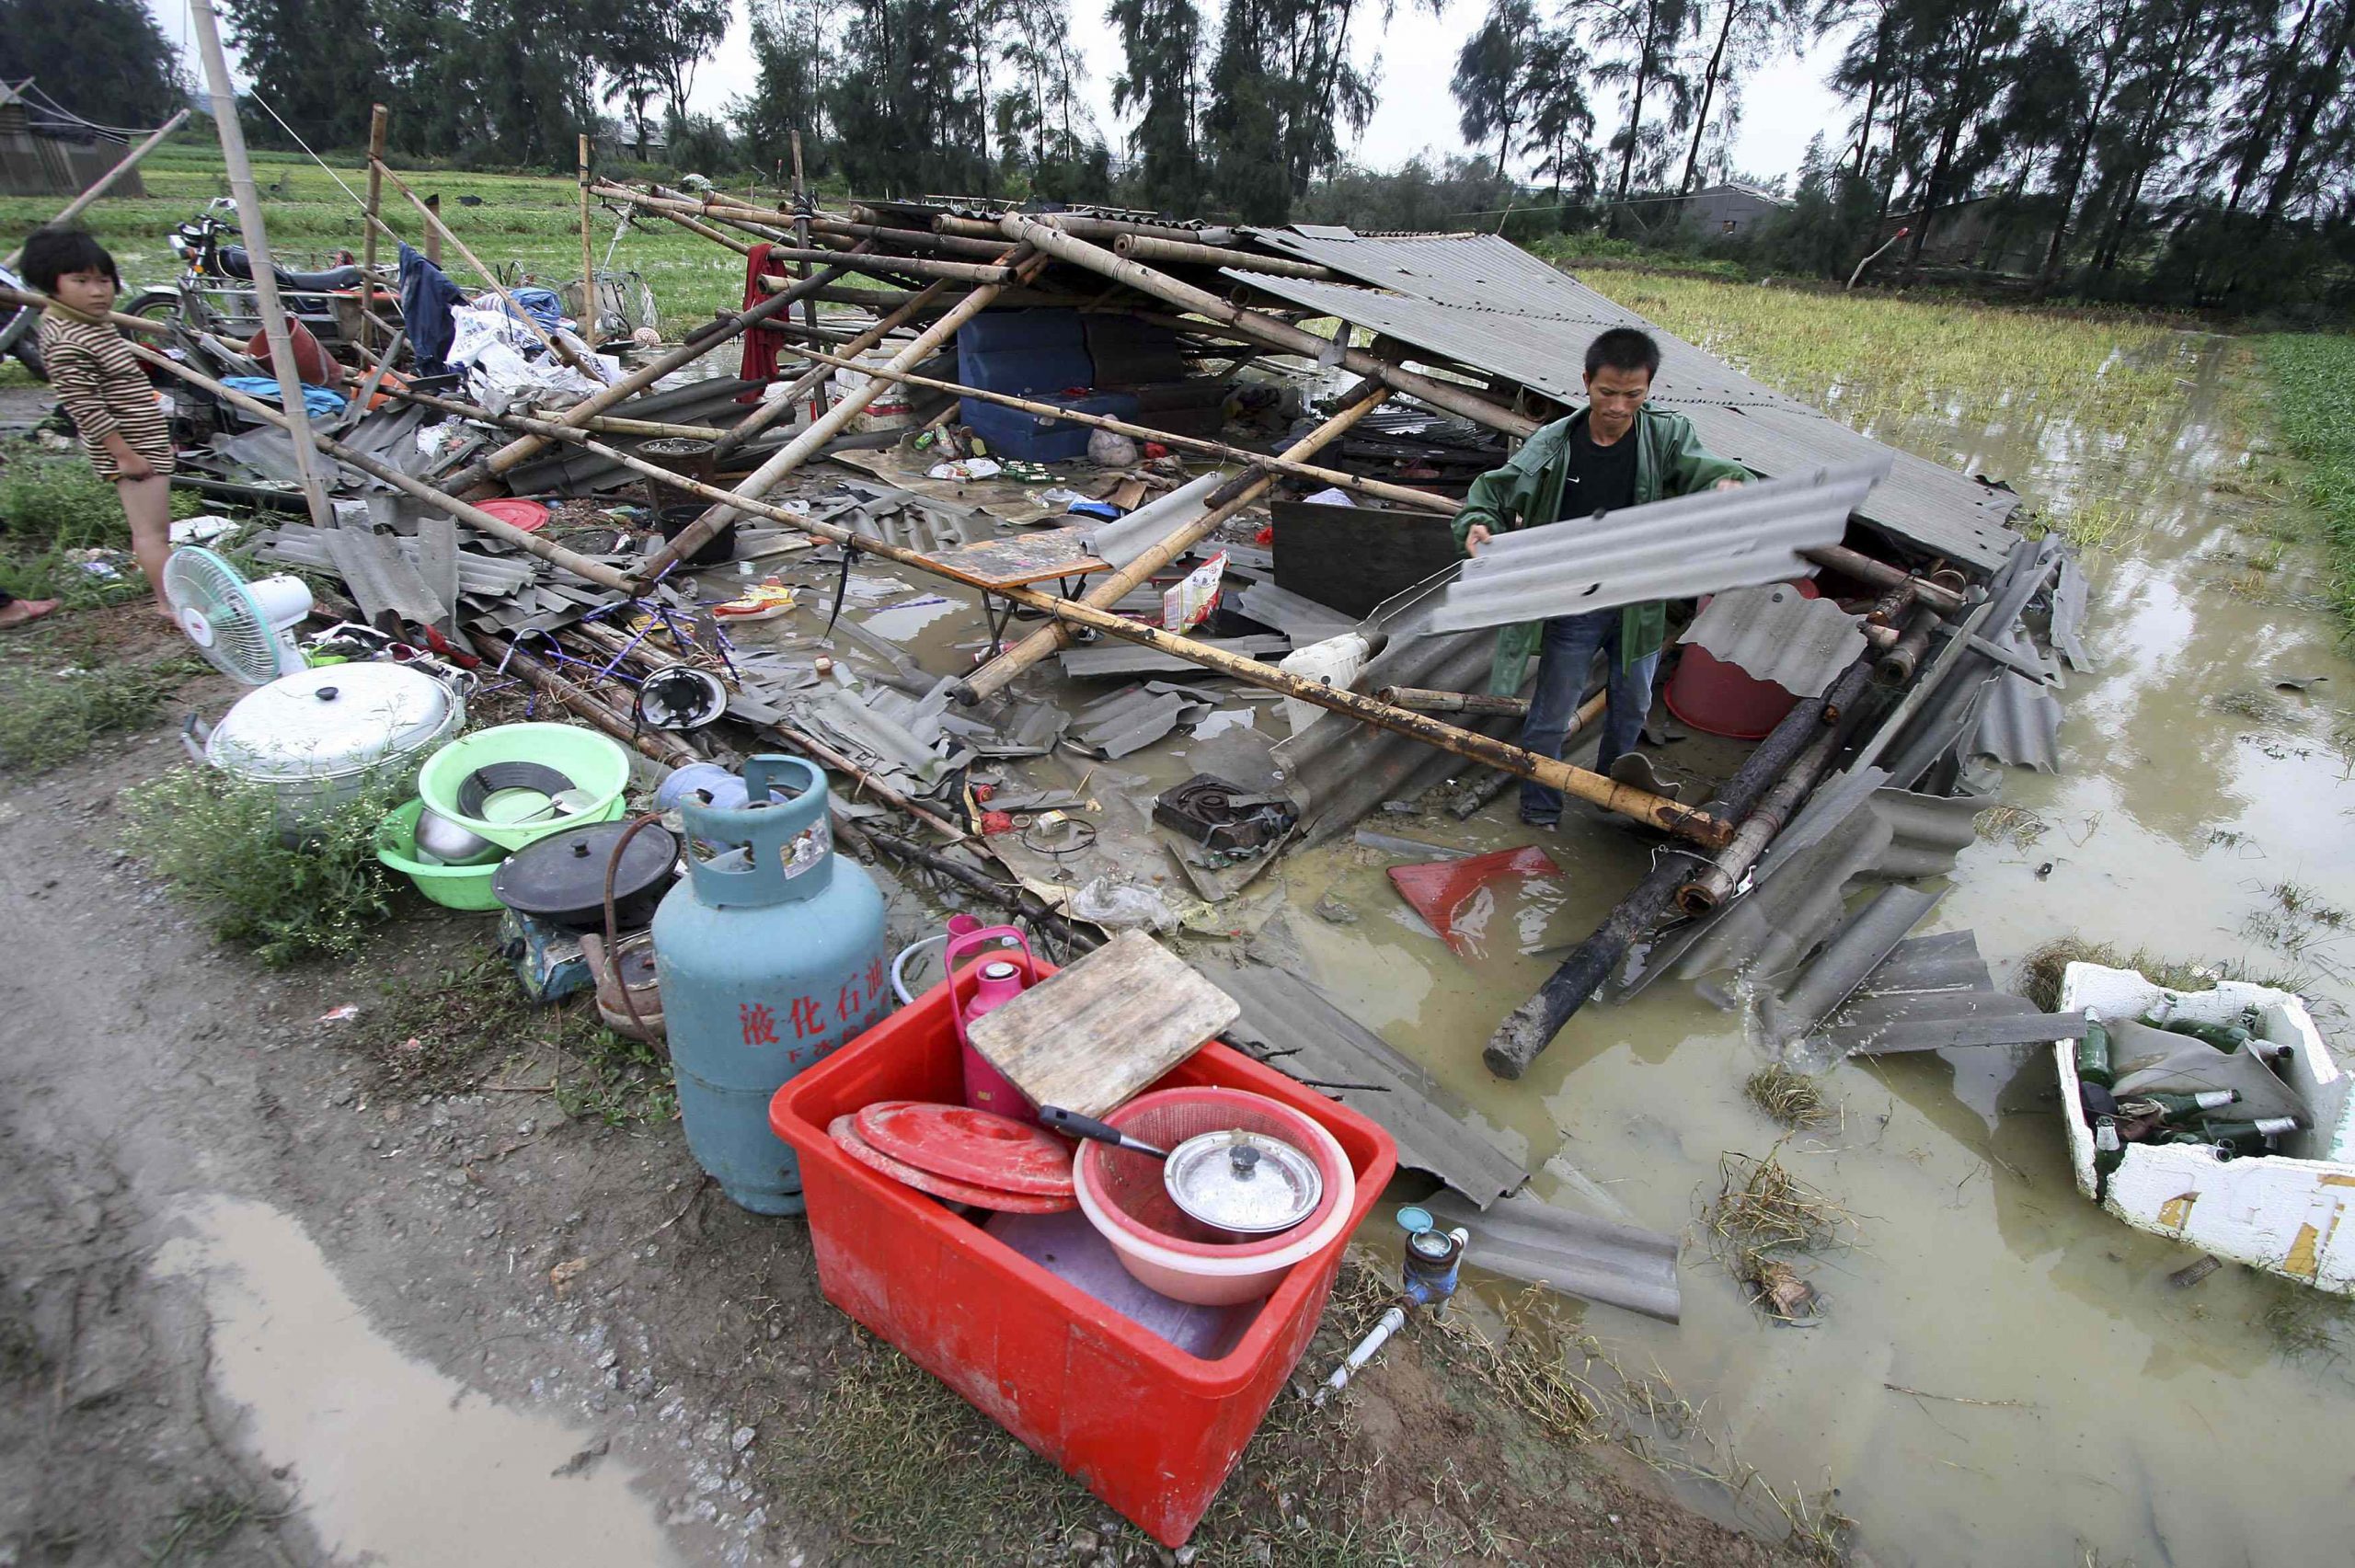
1774, 632
1301, 1033
1480, 301
1670, 549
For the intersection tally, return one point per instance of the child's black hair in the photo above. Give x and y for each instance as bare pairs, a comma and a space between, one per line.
50, 253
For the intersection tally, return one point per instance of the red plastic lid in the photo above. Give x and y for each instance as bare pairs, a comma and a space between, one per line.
525, 515
844, 1129
967, 1145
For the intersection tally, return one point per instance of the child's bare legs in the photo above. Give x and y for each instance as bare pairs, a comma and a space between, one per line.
148, 504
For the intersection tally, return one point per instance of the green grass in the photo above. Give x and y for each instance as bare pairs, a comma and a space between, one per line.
52, 505
1885, 366
58, 697
531, 223
217, 843
2314, 401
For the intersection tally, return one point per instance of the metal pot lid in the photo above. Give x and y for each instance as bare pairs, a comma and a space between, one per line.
564, 873
334, 719
1244, 1182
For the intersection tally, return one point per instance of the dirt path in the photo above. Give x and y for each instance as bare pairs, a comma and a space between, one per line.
261, 1307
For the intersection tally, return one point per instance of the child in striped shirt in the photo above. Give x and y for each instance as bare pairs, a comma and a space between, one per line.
114, 406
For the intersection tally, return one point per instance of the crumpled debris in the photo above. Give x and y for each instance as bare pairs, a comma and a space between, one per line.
1120, 905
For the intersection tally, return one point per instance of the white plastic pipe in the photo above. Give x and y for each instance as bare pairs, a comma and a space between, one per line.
1391, 1322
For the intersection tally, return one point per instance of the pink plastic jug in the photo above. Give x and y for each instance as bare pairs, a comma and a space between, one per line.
994, 982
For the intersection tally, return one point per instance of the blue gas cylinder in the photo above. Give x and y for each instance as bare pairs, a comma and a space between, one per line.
769, 954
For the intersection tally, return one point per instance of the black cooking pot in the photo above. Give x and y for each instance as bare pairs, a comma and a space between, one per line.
561, 879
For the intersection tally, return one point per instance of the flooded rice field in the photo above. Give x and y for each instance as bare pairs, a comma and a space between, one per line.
2001, 1373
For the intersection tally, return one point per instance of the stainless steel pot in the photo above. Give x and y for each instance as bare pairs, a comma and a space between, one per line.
320, 737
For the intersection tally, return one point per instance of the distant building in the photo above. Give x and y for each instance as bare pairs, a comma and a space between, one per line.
1996, 232
44, 152
1728, 209
618, 138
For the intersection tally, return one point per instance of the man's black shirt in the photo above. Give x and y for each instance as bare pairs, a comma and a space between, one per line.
1598, 478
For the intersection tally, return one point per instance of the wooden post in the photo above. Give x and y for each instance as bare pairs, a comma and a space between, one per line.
801, 238
1453, 397
1105, 591
433, 230
98, 187
274, 315
821, 430
379, 118
556, 345
588, 258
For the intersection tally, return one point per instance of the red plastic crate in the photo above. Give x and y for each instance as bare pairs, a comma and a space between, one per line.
1148, 1428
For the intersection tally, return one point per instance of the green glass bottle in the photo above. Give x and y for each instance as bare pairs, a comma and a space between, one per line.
2176, 1107
2092, 1054
2109, 1149
2224, 1037
2238, 1138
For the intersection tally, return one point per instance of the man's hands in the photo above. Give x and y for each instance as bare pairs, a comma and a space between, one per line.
1475, 536
1726, 484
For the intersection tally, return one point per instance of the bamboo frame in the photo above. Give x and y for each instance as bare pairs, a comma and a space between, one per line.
379, 122
780, 408
588, 258
1145, 247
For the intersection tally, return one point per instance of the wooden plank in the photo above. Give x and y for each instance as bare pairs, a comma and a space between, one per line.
1026, 558
1091, 1037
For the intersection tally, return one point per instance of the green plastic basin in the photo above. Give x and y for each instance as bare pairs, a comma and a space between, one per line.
591, 760
453, 886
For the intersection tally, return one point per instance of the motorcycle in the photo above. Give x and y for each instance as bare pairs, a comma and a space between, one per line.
20, 328
214, 291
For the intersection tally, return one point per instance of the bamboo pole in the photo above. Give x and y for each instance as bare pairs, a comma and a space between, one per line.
908, 239
587, 258
100, 187
802, 216
1880, 574
697, 227
1403, 494
780, 408
1428, 702
556, 345
1645, 806
910, 266
821, 431
1145, 247
379, 122
265, 279
638, 381
1453, 397
1712, 884
1226, 502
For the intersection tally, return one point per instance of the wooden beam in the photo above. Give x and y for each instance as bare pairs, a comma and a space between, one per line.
379, 121
588, 258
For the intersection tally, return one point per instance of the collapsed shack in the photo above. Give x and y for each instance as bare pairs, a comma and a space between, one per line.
994, 647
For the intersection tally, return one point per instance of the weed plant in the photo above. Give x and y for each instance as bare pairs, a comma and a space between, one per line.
2313, 399
54, 706
220, 845
52, 505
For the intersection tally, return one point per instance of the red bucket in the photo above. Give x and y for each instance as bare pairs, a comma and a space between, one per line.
1717, 698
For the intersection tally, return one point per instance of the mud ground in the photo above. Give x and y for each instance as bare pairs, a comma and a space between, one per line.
184, 1379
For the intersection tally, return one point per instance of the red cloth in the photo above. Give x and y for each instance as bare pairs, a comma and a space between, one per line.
763, 345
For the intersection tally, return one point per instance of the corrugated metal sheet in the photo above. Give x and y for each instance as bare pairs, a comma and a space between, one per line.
1135, 718
1672, 549
1528, 1238
1304, 1034
1776, 632
1111, 657
1296, 615
1480, 301
1854, 951
1339, 769
2019, 723
2069, 616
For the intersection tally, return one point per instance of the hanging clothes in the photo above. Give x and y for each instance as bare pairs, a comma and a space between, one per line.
427, 299
764, 345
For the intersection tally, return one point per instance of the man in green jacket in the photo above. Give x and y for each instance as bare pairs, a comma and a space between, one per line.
1614, 453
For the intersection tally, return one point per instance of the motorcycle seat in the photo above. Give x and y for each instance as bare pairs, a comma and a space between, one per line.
236, 264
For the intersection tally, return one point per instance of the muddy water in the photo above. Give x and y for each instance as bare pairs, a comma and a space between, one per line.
2112, 1411
392, 1463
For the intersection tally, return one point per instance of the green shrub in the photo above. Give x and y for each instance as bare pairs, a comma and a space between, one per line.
53, 708
52, 504
217, 845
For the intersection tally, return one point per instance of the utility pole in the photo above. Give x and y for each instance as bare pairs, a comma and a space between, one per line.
273, 316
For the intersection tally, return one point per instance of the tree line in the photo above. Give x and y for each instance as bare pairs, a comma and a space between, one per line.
2186, 150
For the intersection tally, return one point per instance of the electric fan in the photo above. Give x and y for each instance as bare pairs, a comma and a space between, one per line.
247, 629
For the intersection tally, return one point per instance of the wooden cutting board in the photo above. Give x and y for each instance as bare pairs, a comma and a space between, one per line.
1091, 1037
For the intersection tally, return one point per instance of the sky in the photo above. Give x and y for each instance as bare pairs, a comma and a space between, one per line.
1784, 103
